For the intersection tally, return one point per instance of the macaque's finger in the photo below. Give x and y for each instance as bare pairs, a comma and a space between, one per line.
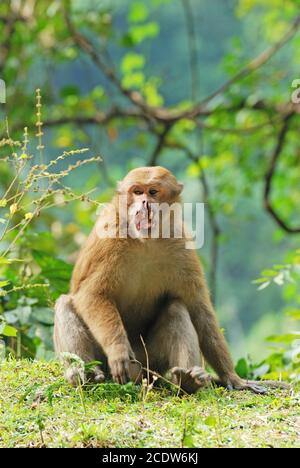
98, 375
178, 371
75, 376
199, 374
120, 371
191, 379
257, 388
99, 378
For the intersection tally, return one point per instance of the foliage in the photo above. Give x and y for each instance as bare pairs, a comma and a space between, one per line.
32, 277
284, 360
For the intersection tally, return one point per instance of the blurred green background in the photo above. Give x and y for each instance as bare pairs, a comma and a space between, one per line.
113, 74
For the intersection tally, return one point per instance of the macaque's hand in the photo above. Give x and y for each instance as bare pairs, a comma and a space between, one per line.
191, 379
119, 364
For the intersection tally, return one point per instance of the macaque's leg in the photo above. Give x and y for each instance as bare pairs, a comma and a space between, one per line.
213, 344
172, 345
72, 336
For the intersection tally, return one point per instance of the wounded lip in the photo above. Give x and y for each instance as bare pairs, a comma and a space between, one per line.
143, 225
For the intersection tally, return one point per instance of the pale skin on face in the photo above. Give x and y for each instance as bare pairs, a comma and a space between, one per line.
123, 289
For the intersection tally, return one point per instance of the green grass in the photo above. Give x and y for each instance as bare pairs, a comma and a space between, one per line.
37, 408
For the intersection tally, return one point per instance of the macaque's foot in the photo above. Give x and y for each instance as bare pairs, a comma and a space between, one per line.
96, 375
240, 384
76, 376
191, 380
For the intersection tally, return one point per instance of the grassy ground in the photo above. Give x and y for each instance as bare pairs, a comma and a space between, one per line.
38, 409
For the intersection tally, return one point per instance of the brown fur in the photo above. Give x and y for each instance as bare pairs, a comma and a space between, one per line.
126, 288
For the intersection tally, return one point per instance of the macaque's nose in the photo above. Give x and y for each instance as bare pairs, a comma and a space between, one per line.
145, 204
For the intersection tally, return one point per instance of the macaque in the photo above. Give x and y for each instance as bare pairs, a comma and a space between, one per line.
138, 300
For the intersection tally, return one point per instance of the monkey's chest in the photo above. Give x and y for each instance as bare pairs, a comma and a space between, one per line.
141, 291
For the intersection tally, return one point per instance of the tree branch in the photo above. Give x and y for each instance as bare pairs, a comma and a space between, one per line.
86, 46
160, 113
99, 118
161, 138
270, 174
256, 63
192, 39
214, 225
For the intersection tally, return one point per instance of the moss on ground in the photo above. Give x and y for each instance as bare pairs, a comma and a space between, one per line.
37, 408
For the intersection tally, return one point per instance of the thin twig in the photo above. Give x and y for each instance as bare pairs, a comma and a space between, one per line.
193, 53
161, 138
256, 63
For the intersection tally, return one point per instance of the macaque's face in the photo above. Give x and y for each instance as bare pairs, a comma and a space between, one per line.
146, 188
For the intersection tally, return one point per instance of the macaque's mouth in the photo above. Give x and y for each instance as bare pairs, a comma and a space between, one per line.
144, 218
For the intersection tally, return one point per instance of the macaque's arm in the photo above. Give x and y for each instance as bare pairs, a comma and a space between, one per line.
104, 321
214, 347
211, 340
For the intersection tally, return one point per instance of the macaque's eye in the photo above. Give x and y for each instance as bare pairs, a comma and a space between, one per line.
153, 191
138, 192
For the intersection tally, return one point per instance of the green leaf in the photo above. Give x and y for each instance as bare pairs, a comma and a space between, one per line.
188, 442
70, 91
139, 33
4, 283
288, 338
211, 421
138, 12
89, 366
134, 80
259, 281
132, 61
152, 96
8, 261
43, 315
51, 265
269, 273
294, 314
7, 330
55, 270
23, 313
10, 317
242, 368
264, 285
194, 170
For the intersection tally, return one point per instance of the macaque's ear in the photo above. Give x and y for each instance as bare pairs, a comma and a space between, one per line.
176, 189
180, 186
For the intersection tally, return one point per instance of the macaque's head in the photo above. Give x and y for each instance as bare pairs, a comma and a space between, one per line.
146, 188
